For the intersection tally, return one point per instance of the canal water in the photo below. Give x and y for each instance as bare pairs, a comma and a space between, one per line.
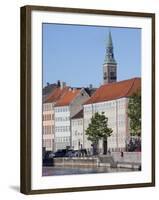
54, 171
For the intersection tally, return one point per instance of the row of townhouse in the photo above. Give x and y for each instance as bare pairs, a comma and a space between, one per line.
112, 99
68, 106
73, 111
48, 123
58, 109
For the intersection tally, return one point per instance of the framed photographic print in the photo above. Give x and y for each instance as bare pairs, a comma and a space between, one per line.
87, 99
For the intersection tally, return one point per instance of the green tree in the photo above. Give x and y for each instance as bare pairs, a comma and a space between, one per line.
97, 130
134, 113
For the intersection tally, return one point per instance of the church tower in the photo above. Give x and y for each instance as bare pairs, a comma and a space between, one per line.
110, 65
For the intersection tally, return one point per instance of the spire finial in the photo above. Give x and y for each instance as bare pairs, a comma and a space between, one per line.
110, 43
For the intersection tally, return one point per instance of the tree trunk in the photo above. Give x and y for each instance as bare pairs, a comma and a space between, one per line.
95, 148
105, 146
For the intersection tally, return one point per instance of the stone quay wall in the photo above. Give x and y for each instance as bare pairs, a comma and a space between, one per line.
130, 160
128, 157
84, 161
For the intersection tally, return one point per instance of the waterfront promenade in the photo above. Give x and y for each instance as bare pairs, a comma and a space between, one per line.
129, 161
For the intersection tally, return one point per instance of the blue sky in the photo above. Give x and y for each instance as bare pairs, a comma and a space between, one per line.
75, 54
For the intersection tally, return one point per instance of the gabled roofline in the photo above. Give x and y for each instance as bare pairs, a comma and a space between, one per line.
96, 97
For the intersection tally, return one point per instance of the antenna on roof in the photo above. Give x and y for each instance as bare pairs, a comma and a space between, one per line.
58, 83
90, 86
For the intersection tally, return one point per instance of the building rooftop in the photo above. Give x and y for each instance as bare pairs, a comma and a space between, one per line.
115, 90
56, 95
68, 97
90, 91
49, 88
78, 115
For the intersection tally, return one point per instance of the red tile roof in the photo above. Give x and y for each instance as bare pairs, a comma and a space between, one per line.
116, 90
68, 97
56, 95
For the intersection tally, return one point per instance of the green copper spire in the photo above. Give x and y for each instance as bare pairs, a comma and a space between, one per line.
109, 58
110, 43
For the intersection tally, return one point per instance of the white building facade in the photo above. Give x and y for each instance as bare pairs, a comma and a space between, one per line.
62, 127
77, 131
65, 109
116, 111
112, 99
